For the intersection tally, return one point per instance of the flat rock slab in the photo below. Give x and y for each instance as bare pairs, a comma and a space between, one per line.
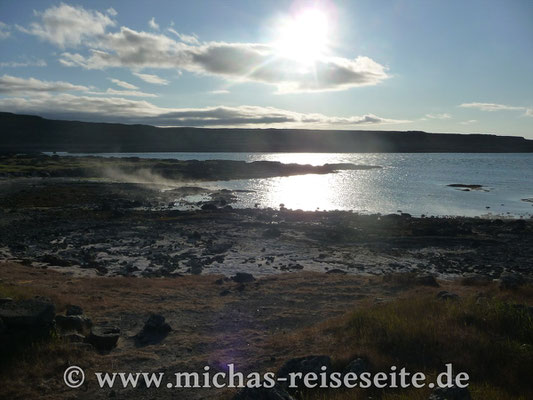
27, 314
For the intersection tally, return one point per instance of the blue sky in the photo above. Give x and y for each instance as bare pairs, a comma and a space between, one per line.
438, 66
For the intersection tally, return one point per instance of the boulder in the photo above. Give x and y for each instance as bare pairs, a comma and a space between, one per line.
275, 393
444, 295
511, 281
304, 365
476, 280
154, 331
426, 280
74, 338
336, 271
243, 277
35, 316
453, 393
104, 337
74, 310
77, 323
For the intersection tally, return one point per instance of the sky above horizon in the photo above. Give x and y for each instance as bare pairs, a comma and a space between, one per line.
437, 66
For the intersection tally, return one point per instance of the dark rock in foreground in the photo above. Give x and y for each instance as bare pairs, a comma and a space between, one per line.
243, 277
154, 331
104, 338
305, 365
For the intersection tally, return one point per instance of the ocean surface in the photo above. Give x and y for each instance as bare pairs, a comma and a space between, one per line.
408, 182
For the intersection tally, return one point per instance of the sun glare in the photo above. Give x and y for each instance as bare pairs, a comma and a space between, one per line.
303, 37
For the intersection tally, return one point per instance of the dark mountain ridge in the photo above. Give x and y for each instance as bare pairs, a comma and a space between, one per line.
32, 133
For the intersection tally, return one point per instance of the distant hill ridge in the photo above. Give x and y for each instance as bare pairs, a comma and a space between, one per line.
33, 133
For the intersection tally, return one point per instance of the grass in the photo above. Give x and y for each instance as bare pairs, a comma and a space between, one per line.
490, 339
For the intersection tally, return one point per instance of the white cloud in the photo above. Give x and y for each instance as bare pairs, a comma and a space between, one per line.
67, 25
153, 24
4, 31
127, 93
24, 63
439, 116
232, 61
469, 122
74, 26
490, 106
111, 11
156, 80
220, 91
15, 85
190, 39
529, 112
123, 84
116, 109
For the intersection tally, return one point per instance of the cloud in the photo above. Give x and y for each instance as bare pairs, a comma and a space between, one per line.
111, 11
490, 106
116, 109
156, 80
470, 121
220, 91
123, 84
529, 112
127, 93
67, 25
439, 116
74, 26
14, 85
25, 63
4, 31
153, 24
190, 39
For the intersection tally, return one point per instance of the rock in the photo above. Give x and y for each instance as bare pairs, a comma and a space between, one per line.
357, 366
476, 280
275, 393
304, 365
154, 331
2, 326
426, 280
73, 322
511, 281
336, 271
74, 338
453, 393
4, 300
35, 316
104, 338
225, 292
243, 277
209, 207
444, 295
74, 310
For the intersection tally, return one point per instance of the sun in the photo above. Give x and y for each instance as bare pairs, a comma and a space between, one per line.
303, 37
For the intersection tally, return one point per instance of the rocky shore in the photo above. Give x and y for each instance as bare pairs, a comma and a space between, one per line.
132, 277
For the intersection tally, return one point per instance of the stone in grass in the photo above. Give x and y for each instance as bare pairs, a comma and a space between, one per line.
243, 277
511, 281
426, 280
74, 310
33, 317
275, 393
452, 393
104, 337
77, 323
154, 331
444, 295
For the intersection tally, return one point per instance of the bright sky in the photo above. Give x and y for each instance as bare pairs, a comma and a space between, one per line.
438, 66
